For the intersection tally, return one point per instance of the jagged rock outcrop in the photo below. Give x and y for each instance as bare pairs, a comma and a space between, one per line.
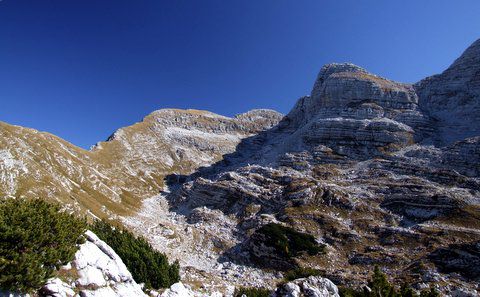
101, 271
358, 114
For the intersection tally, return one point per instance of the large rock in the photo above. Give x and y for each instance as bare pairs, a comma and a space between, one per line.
57, 288
178, 290
313, 286
101, 272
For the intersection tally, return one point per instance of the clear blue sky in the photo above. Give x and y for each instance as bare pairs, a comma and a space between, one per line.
82, 68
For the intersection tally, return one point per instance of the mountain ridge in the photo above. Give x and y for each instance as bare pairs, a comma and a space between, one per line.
109, 183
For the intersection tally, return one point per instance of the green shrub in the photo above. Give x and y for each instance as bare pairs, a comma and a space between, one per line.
146, 264
430, 293
289, 243
252, 292
381, 287
301, 273
36, 238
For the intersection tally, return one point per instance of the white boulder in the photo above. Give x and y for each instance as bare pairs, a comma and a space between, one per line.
313, 286
178, 290
55, 287
102, 272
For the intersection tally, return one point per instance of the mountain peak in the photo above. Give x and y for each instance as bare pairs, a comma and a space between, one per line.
332, 68
340, 87
470, 57
453, 97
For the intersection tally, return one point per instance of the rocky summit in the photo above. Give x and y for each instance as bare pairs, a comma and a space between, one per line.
363, 172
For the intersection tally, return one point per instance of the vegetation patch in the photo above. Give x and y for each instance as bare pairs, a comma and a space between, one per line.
381, 287
289, 243
146, 264
301, 273
36, 239
277, 247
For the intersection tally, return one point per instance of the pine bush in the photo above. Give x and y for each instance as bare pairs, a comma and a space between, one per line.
381, 287
301, 273
36, 238
289, 243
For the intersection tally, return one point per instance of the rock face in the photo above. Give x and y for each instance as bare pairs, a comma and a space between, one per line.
357, 113
365, 166
340, 86
100, 272
453, 97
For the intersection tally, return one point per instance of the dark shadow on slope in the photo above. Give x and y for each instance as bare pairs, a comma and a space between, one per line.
247, 152
273, 246
463, 259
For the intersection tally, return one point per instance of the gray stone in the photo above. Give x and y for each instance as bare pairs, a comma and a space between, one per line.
313, 286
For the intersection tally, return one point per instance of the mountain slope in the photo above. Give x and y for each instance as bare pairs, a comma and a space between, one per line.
115, 175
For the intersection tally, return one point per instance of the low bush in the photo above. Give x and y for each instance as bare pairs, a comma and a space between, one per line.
381, 287
289, 243
252, 292
146, 264
36, 238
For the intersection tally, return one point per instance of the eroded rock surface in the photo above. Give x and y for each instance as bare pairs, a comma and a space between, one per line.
363, 165
452, 98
